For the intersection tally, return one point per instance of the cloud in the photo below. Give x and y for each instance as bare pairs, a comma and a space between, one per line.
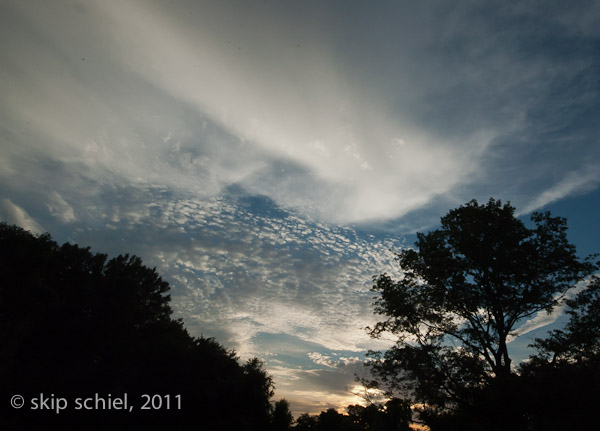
58, 207
331, 385
247, 149
259, 278
579, 182
542, 318
239, 264
146, 92
270, 107
272, 274
13, 214
257, 116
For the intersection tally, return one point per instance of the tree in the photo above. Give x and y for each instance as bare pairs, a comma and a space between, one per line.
257, 392
306, 422
566, 367
462, 291
331, 420
394, 415
74, 324
282, 418
579, 341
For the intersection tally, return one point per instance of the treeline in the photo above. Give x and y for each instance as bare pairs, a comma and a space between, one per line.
394, 415
76, 326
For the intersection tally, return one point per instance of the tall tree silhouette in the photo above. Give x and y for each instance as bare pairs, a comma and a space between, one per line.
462, 291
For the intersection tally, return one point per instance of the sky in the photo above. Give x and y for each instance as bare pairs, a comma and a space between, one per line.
268, 157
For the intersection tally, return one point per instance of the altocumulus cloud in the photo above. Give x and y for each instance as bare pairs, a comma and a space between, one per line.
262, 280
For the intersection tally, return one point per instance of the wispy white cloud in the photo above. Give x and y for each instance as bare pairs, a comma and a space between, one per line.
14, 214
543, 318
244, 95
574, 183
146, 66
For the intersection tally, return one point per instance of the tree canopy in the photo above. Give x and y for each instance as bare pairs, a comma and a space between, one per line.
462, 292
579, 340
393, 415
74, 323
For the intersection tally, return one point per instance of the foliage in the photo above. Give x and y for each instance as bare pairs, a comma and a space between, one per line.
282, 418
579, 341
306, 422
74, 323
394, 415
331, 420
559, 383
463, 290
